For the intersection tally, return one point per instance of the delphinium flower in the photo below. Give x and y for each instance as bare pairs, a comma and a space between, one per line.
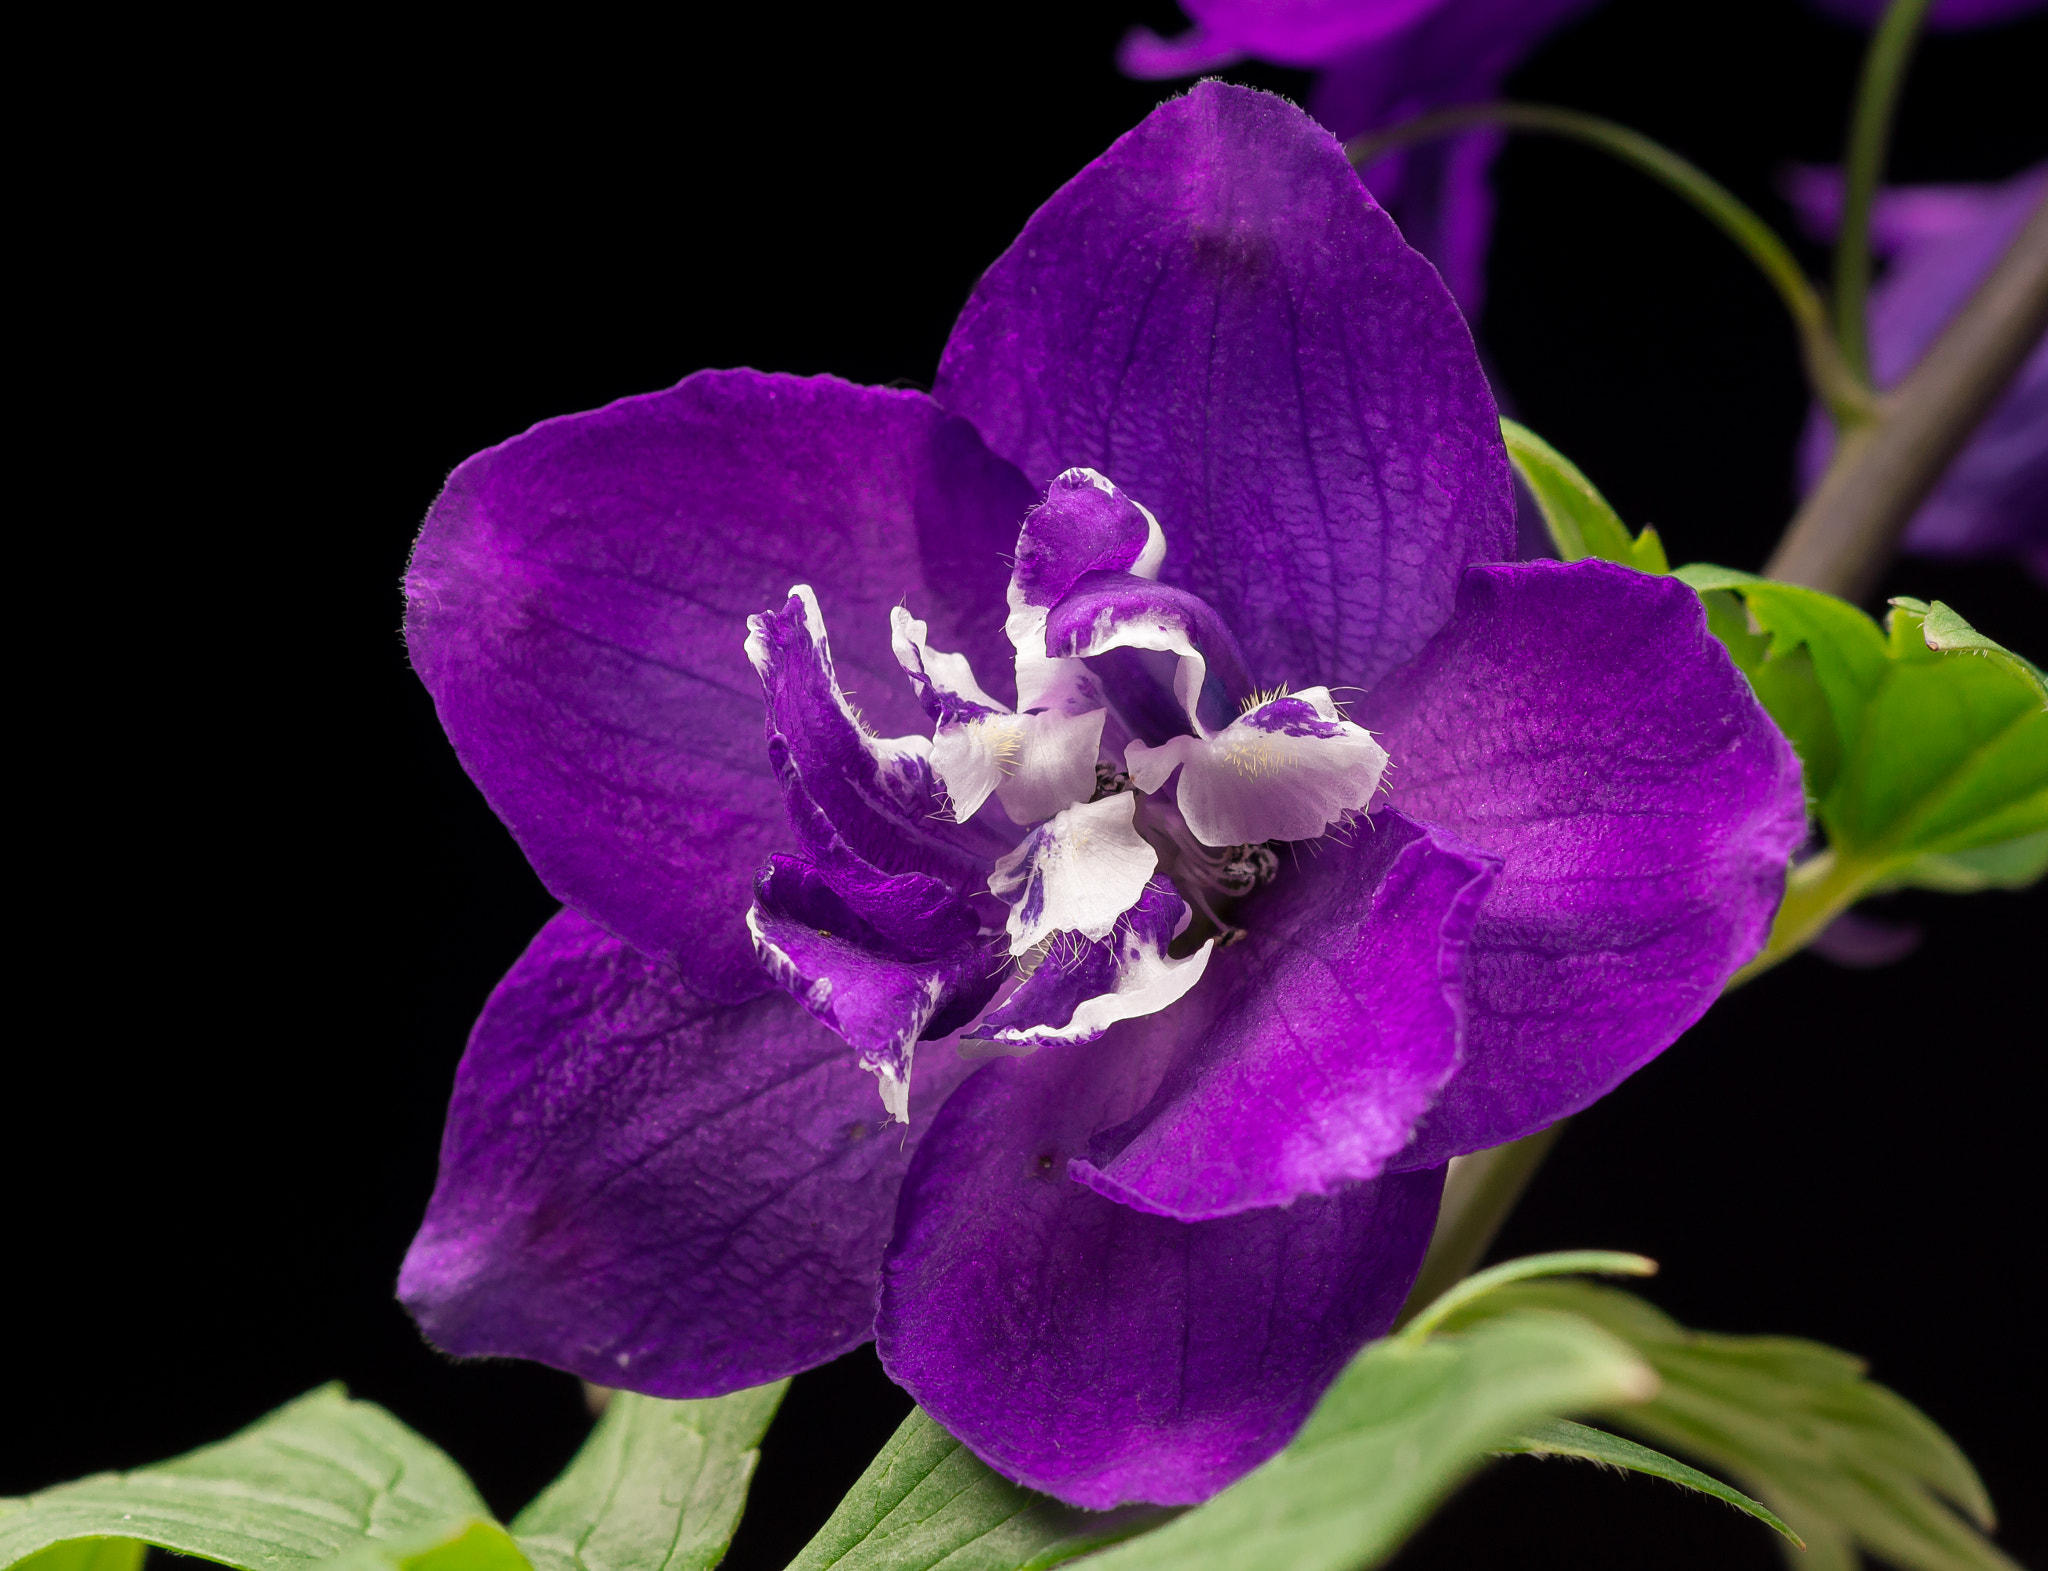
1168, 800
1942, 241
1380, 62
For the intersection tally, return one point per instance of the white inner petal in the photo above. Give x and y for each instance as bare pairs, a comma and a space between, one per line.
1037, 763
1053, 765
1147, 984
1077, 874
948, 673
1248, 784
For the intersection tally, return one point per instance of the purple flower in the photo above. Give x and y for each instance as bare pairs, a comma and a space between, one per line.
1942, 242
1383, 62
1210, 774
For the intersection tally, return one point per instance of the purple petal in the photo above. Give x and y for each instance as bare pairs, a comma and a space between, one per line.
1579, 722
1214, 315
652, 1191
577, 604
1081, 988
1862, 942
1901, 216
1336, 1020
1086, 524
886, 965
1994, 498
1101, 1354
1286, 32
1947, 15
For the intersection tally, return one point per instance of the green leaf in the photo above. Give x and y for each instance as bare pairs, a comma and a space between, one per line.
1402, 1426
926, 1500
316, 1479
1924, 744
1562, 1437
658, 1486
2012, 864
1847, 1463
88, 1554
471, 1546
1581, 523
1944, 629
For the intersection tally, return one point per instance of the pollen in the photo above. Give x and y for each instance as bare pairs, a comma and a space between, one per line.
1262, 698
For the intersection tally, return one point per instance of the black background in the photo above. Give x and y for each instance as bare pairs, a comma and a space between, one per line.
293, 273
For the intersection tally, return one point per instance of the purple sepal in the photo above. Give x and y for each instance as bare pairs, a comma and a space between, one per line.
900, 961
576, 604
1318, 1040
652, 1191
1101, 1354
1579, 722
1084, 525
1216, 315
1077, 972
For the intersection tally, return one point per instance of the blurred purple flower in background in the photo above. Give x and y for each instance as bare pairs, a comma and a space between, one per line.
1209, 447
1382, 62
1942, 241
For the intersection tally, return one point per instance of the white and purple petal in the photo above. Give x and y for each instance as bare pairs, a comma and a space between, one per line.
1103, 612
1035, 763
1076, 873
884, 966
1290, 768
878, 793
1081, 988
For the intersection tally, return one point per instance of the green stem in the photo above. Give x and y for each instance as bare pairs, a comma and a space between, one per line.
1818, 890
1870, 135
1847, 396
1479, 1192
1481, 1189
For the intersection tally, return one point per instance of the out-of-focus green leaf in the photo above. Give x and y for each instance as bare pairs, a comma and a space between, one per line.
1924, 744
927, 1501
1562, 1437
1402, 1426
470, 1546
1848, 1464
1580, 522
88, 1554
658, 1486
2014, 864
316, 1479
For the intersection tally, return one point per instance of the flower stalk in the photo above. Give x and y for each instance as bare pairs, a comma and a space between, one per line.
1843, 390
1843, 536
1870, 133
